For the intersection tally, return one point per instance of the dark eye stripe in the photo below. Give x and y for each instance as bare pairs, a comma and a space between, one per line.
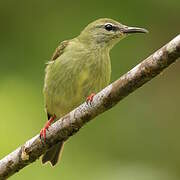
110, 27
114, 28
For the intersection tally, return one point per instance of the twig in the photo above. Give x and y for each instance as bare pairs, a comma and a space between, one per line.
104, 100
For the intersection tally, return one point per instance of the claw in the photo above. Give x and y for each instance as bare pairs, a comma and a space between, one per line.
45, 128
90, 98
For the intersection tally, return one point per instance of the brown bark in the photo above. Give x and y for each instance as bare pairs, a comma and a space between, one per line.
104, 100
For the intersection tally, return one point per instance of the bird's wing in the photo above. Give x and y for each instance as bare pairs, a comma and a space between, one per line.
59, 50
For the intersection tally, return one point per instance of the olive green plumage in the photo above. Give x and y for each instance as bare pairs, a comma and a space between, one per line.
79, 67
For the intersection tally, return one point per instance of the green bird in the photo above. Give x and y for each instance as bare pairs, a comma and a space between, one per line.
78, 69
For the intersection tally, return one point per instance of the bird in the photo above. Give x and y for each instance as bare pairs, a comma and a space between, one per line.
78, 69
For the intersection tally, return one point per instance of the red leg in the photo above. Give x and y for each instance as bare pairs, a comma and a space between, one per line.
46, 126
90, 98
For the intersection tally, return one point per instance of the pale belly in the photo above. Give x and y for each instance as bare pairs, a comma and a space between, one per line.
68, 88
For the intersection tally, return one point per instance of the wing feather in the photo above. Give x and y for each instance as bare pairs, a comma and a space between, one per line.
59, 50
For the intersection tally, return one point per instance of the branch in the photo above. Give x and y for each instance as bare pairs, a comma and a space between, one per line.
68, 125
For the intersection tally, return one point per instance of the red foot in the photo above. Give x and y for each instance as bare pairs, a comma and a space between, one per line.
45, 128
90, 98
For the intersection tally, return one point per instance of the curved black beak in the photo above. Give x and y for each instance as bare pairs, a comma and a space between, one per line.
131, 30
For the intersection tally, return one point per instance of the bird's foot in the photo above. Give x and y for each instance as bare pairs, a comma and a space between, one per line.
45, 128
90, 98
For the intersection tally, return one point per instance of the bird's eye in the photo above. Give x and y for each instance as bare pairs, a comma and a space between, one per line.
108, 27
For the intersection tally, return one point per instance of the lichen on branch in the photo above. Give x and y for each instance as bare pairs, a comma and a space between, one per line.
104, 100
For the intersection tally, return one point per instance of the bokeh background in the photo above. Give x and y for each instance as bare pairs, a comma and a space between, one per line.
139, 139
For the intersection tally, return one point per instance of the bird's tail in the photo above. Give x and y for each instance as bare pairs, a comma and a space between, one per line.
53, 154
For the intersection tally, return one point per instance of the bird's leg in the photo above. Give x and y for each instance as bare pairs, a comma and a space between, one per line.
90, 98
46, 126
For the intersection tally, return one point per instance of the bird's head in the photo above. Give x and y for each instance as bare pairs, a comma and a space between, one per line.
107, 32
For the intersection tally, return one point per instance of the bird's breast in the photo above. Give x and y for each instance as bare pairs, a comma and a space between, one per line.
69, 82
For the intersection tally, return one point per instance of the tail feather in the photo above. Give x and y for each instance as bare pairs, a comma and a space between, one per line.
53, 154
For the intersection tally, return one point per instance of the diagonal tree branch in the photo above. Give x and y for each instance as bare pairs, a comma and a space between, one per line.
104, 100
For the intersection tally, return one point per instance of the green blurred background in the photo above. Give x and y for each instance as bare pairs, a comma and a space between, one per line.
136, 140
